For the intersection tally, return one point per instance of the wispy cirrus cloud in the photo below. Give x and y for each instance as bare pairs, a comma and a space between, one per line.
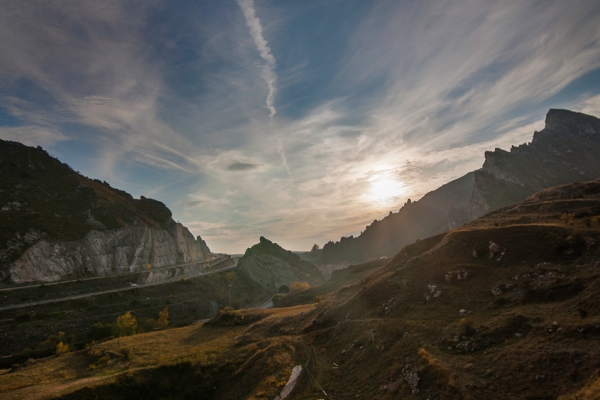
179, 101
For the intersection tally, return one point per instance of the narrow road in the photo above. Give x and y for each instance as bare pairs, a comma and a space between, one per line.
208, 262
82, 296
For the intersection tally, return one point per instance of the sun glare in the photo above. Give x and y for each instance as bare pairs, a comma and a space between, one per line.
384, 188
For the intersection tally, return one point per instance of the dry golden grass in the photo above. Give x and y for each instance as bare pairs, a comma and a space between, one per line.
46, 378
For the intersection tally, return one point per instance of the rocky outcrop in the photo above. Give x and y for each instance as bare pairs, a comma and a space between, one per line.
269, 265
109, 252
57, 224
565, 151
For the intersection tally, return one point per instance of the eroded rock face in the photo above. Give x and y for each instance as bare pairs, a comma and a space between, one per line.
108, 252
565, 151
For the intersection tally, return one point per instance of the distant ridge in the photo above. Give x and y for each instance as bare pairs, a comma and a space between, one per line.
565, 151
272, 266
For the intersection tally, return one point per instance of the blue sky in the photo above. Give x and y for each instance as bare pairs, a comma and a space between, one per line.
301, 121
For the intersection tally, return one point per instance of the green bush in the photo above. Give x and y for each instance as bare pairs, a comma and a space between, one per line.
231, 317
146, 325
99, 332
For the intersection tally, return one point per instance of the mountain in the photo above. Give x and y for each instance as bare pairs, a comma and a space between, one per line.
271, 266
57, 224
565, 151
443, 318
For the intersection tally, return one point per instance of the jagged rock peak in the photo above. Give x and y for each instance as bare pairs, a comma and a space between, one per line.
570, 122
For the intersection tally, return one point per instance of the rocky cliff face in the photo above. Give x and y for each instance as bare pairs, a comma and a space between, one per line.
57, 224
565, 151
107, 252
269, 265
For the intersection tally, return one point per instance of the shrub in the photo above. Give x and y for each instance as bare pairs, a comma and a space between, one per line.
62, 348
126, 325
318, 299
299, 286
98, 332
567, 217
231, 317
146, 325
277, 298
163, 318
53, 340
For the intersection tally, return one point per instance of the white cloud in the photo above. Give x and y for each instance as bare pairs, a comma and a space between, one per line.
588, 105
32, 135
421, 90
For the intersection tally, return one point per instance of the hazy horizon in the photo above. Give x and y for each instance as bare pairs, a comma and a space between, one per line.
300, 121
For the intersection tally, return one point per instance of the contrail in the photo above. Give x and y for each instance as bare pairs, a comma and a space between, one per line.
256, 31
268, 70
283, 157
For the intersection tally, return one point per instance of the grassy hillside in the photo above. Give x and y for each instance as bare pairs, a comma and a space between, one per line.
442, 319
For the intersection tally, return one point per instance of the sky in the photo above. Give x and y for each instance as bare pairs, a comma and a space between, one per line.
301, 121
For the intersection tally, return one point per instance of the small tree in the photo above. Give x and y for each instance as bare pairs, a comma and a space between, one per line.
163, 318
230, 276
62, 348
126, 325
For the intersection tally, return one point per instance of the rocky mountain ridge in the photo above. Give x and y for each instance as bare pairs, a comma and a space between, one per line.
57, 224
564, 151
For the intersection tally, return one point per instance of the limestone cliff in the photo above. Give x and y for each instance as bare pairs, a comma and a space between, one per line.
57, 224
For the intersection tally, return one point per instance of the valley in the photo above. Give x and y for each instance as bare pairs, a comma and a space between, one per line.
502, 304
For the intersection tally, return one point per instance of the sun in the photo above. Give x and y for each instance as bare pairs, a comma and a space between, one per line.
385, 188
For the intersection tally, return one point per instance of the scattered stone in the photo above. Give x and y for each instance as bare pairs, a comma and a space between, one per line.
496, 291
409, 373
494, 248
372, 334
458, 274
